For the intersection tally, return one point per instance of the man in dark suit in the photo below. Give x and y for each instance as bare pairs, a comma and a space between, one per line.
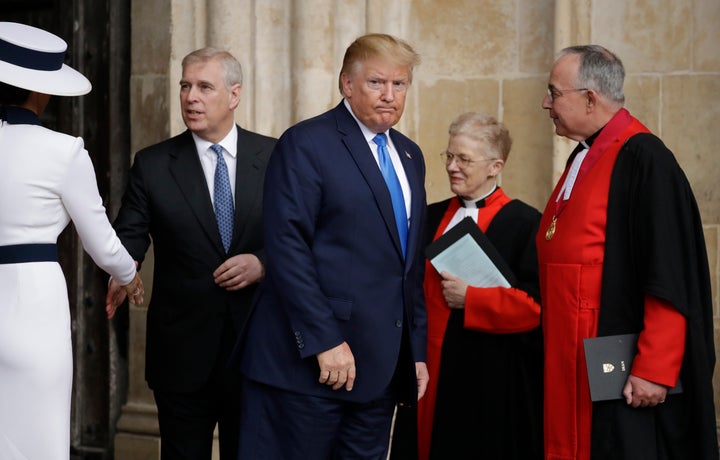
337, 333
205, 269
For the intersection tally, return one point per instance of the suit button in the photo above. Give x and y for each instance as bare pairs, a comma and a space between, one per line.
301, 345
398, 323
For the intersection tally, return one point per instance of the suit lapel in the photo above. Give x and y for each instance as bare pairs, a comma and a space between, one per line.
360, 151
188, 173
248, 181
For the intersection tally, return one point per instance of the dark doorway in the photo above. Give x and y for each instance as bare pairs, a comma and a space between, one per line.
98, 36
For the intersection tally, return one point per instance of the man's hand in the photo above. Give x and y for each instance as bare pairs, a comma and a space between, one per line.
238, 272
454, 289
639, 392
337, 367
116, 295
114, 298
423, 377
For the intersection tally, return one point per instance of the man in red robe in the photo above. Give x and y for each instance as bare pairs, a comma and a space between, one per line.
621, 250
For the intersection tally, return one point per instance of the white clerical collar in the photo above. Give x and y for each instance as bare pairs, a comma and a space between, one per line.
572, 174
469, 208
478, 202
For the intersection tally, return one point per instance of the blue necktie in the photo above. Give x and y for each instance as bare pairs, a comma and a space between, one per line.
393, 184
224, 209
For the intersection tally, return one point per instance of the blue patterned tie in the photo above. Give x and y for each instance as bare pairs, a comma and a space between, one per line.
224, 209
393, 184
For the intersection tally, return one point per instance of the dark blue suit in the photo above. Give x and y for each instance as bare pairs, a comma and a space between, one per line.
335, 270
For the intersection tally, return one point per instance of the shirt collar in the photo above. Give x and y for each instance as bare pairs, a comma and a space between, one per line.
228, 143
367, 133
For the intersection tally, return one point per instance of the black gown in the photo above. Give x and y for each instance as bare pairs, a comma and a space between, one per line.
647, 252
508, 368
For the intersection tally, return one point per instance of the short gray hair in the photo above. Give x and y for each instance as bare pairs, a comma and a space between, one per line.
232, 70
600, 70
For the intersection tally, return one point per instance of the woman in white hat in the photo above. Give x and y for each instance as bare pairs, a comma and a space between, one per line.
47, 181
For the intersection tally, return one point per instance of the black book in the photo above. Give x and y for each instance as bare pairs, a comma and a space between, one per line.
609, 360
465, 251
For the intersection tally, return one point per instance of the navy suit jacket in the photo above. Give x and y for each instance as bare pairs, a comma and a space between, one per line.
335, 270
167, 200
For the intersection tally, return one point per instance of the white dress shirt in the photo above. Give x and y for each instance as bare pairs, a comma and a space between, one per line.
208, 159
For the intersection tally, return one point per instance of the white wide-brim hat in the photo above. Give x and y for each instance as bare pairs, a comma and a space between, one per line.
33, 59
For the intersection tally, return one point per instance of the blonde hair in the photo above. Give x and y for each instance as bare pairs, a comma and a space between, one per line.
377, 45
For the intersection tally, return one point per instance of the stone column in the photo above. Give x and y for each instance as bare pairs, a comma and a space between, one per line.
150, 113
314, 85
572, 26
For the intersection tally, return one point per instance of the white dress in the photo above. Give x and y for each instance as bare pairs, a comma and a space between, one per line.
46, 179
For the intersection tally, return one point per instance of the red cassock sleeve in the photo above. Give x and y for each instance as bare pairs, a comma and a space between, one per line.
500, 310
661, 344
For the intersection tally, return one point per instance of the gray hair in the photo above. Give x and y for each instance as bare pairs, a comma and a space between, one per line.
482, 127
600, 70
232, 70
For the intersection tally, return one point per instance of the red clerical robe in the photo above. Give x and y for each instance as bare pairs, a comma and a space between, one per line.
571, 252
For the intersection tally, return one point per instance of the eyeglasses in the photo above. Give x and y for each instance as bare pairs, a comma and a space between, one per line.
461, 160
554, 93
